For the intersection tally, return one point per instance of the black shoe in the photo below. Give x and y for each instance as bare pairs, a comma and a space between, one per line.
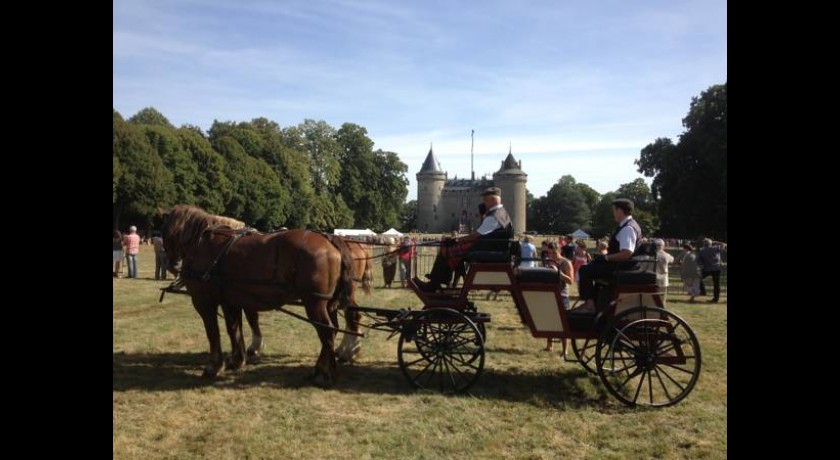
424, 286
713, 301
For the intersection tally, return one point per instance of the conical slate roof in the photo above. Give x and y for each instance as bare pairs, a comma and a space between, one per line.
510, 166
431, 164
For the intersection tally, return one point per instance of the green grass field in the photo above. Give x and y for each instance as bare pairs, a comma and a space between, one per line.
528, 404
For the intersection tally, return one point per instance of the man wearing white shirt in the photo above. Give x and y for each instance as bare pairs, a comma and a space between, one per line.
495, 227
621, 246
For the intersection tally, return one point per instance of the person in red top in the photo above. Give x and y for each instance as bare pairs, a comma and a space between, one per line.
406, 252
581, 257
132, 248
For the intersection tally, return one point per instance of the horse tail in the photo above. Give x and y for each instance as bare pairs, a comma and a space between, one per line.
344, 288
367, 275
367, 279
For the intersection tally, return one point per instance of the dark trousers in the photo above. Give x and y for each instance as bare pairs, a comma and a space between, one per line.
161, 264
441, 273
590, 272
715, 283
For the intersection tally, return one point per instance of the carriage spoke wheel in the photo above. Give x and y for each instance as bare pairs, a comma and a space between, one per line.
649, 357
441, 349
584, 350
471, 308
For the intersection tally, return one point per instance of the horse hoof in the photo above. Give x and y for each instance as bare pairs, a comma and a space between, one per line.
211, 372
354, 356
234, 366
251, 352
253, 359
322, 381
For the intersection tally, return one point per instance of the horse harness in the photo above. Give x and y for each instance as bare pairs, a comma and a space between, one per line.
207, 276
187, 272
213, 274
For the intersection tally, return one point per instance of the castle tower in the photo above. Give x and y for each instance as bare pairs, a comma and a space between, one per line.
511, 180
430, 182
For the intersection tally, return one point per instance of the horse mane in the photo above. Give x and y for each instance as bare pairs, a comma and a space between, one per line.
184, 226
222, 221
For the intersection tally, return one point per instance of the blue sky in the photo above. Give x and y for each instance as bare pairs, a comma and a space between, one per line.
575, 87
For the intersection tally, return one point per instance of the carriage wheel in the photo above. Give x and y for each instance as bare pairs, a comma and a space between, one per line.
441, 349
584, 350
648, 356
480, 325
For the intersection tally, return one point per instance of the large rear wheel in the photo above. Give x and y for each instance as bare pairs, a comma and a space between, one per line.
648, 356
441, 349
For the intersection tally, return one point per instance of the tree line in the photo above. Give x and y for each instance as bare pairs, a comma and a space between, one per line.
687, 197
307, 176
315, 176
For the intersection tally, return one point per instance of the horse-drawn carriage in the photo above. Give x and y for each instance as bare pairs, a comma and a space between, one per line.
643, 353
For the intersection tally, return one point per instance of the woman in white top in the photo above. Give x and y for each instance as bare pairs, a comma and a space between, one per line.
662, 261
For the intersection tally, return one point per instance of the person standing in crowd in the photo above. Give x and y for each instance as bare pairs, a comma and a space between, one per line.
662, 261
581, 257
690, 272
389, 262
406, 253
602, 248
711, 265
568, 250
567, 278
132, 248
528, 252
161, 263
544, 252
118, 253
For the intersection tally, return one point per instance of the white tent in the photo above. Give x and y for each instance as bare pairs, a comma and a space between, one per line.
580, 234
392, 232
353, 232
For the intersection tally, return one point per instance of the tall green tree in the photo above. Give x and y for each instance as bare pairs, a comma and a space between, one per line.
689, 178
318, 140
592, 198
313, 145
144, 184
150, 116
212, 188
603, 222
177, 161
117, 175
256, 189
562, 210
408, 217
373, 184
644, 205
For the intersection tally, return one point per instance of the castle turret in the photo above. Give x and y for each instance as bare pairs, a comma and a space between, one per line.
511, 180
430, 182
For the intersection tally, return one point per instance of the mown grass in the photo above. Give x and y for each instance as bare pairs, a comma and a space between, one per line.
528, 404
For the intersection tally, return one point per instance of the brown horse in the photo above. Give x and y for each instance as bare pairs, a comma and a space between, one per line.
242, 269
350, 345
362, 263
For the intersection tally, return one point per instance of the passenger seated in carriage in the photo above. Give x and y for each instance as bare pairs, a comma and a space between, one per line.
620, 250
495, 228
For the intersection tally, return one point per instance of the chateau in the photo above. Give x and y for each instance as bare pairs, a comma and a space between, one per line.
444, 205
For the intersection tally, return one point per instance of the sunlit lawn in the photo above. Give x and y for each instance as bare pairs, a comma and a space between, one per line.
528, 404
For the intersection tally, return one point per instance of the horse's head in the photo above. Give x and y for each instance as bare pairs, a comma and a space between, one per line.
182, 228
169, 240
